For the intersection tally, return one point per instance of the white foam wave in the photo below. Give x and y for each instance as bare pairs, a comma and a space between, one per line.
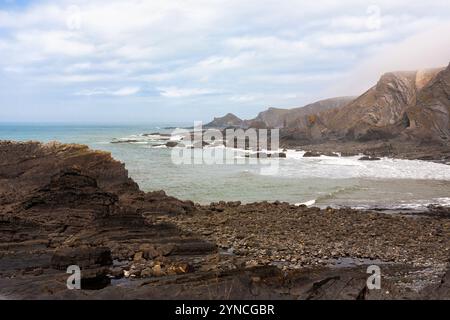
306, 203
409, 205
296, 166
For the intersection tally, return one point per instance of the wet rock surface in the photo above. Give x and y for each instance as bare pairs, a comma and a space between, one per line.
295, 237
63, 205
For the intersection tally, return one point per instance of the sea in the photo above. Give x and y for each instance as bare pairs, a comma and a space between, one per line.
387, 184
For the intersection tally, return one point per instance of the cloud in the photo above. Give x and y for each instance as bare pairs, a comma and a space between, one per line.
174, 92
125, 91
349, 39
243, 98
426, 49
232, 54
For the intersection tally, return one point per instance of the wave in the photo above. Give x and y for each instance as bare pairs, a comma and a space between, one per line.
306, 203
341, 190
295, 166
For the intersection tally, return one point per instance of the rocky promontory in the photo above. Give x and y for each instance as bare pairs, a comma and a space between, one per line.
63, 205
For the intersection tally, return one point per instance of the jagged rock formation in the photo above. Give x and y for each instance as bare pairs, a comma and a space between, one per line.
65, 204
402, 105
429, 117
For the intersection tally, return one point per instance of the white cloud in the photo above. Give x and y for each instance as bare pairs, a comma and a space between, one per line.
243, 98
125, 91
348, 39
174, 92
230, 53
427, 49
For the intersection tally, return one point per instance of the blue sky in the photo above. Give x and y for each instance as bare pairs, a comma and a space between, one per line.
150, 61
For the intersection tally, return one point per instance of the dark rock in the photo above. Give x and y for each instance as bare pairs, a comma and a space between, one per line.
278, 155
125, 141
84, 257
171, 144
156, 134
311, 154
368, 158
200, 144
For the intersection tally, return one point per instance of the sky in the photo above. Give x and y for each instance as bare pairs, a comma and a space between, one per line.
180, 61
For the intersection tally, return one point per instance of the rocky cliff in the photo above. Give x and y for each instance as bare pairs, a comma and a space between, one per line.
402, 106
429, 117
298, 117
279, 118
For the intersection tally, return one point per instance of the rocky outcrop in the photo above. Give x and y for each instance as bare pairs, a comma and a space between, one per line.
68, 205
227, 121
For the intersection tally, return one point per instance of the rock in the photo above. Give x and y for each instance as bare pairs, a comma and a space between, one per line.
149, 251
311, 154
257, 155
277, 155
116, 272
138, 256
84, 257
166, 249
184, 268
157, 270
38, 271
369, 158
166, 135
125, 141
171, 144
200, 144
147, 272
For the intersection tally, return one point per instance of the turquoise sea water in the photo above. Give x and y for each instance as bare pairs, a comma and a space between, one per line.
324, 181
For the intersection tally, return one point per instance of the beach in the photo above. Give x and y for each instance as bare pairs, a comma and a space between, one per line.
66, 204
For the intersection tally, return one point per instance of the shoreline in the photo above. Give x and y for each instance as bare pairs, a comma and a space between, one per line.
67, 205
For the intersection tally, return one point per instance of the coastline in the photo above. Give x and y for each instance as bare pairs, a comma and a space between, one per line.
81, 205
